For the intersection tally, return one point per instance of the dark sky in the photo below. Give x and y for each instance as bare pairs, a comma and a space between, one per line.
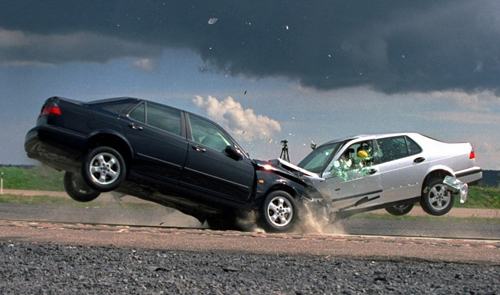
392, 46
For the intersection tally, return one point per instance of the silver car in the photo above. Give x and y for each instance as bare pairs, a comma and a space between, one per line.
391, 171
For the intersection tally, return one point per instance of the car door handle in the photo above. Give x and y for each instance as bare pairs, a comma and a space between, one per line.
372, 171
419, 160
135, 126
199, 148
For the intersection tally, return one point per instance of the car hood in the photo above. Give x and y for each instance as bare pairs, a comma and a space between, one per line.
286, 169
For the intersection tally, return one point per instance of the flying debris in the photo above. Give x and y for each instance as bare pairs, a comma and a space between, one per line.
212, 20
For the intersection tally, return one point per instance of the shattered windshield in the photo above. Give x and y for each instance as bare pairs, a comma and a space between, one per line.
318, 159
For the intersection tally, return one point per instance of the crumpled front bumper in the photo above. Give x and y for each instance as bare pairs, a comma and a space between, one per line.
458, 187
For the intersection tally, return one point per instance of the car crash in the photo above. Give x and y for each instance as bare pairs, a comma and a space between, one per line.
184, 161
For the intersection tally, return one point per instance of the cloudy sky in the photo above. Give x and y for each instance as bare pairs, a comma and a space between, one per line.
266, 70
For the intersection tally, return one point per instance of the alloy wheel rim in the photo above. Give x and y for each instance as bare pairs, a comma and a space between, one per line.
280, 211
104, 168
439, 197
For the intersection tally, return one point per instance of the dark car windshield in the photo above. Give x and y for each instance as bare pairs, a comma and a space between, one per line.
318, 159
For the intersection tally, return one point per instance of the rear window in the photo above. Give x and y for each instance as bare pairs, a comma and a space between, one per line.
112, 106
413, 147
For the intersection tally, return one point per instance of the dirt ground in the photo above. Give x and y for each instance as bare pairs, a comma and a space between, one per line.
417, 211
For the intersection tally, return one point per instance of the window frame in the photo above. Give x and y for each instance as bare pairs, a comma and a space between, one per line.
146, 121
227, 136
406, 143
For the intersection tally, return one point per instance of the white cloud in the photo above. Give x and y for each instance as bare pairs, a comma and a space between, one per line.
145, 64
464, 117
12, 38
241, 123
479, 101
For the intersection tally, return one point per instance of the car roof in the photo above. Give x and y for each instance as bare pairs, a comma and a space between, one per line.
371, 136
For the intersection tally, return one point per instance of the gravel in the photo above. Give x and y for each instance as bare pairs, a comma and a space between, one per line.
27, 268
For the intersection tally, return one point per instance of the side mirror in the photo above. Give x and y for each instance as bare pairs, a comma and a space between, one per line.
233, 153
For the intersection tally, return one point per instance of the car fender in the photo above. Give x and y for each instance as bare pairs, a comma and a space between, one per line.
103, 137
268, 182
438, 170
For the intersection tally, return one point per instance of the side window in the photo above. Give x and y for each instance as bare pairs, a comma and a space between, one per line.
358, 155
392, 148
208, 134
139, 113
413, 147
164, 118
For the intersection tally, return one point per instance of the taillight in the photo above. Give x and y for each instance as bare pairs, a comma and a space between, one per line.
51, 109
472, 155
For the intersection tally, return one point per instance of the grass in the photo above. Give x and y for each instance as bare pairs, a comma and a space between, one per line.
481, 197
36, 178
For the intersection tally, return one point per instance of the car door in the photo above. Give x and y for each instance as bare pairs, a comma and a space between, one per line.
209, 169
156, 135
352, 179
402, 167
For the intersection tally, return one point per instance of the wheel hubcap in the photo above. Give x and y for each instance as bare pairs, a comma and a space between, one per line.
280, 211
104, 168
439, 197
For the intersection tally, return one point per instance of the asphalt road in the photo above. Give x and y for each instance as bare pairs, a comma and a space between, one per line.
164, 217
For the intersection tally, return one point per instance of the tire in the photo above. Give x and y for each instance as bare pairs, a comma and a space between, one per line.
400, 210
437, 199
78, 189
278, 212
103, 169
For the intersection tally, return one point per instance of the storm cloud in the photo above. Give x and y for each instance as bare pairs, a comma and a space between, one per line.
390, 46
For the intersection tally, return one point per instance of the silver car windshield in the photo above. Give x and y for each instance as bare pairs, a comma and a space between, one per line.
318, 159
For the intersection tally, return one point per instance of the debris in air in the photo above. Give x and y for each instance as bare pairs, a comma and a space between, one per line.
212, 20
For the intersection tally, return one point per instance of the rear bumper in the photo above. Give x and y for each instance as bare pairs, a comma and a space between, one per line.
55, 147
470, 176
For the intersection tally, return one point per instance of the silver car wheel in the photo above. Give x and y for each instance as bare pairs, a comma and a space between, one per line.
104, 168
439, 197
280, 211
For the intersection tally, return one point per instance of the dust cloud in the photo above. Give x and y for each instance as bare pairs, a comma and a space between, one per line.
310, 222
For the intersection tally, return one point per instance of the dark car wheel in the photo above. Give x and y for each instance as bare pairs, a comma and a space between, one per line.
437, 199
278, 212
78, 189
103, 169
399, 210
